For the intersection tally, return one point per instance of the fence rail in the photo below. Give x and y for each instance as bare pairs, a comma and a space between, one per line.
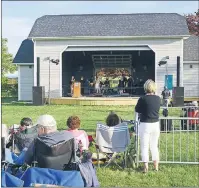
178, 142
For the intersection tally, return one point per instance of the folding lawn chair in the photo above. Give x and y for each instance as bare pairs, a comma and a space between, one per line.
112, 141
54, 156
8, 180
45, 177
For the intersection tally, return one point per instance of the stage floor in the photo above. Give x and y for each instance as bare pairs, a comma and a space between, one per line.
96, 101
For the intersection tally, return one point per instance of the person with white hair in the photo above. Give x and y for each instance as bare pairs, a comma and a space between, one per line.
148, 107
47, 133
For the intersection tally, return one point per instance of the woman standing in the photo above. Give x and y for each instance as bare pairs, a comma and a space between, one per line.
148, 107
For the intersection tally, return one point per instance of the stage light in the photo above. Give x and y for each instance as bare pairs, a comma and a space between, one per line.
163, 61
55, 61
46, 58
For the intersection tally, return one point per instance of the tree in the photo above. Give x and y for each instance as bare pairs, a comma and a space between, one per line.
7, 58
193, 23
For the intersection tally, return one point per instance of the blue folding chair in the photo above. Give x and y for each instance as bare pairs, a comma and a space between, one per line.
45, 176
8, 180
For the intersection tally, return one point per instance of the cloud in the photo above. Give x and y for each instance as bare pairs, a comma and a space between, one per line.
15, 30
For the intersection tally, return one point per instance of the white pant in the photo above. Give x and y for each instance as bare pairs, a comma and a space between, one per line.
149, 134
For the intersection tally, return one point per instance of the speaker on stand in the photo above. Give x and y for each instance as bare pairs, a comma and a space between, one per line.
178, 96
178, 92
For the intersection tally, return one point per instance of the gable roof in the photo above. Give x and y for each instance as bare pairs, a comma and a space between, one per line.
152, 24
191, 48
25, 53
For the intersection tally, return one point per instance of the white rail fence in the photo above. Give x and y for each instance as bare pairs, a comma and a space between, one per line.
179, 137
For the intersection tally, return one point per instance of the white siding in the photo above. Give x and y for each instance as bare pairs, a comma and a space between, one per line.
26, 82
191, 79
54, 49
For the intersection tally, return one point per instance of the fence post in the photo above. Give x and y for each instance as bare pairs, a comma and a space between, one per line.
137, 138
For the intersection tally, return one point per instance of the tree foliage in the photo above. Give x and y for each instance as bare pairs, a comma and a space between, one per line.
7, 58
193, 23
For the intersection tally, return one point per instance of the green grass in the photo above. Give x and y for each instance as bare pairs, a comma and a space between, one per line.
169, 174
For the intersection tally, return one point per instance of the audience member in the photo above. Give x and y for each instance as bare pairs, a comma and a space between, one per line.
25, 124
81, 136
166, 94
47, 132
148, 107
112, 120
24, 136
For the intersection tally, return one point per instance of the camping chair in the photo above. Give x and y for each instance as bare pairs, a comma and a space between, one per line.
8, 180
112, 141
54, 156
45, 177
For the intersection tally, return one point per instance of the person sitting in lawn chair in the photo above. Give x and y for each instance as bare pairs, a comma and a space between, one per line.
51, 149
80, 136
24, 134
112, 119
111, 139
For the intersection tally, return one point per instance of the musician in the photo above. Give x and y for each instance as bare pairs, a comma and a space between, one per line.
107, 86
124, 81
120, 87
72, 81
97, 85
91, 81
130, 84
87, 87
82, 81
107, 83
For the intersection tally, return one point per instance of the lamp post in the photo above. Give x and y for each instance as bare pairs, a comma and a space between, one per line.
49, 73
163, 62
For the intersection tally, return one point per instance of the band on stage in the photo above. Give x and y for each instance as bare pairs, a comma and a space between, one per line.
95, 85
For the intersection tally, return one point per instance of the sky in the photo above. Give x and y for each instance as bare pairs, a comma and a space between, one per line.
18, 17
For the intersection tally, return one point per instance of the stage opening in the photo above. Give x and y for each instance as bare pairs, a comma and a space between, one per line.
107, 73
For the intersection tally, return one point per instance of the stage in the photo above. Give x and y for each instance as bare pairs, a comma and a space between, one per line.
96, 101
102, 101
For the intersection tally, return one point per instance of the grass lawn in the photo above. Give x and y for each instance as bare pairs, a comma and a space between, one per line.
169, 174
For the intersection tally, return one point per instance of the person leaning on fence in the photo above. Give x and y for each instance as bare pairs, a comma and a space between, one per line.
148, 107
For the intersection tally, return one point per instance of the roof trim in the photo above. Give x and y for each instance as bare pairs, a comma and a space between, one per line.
191, 62
106, 48
23, 63
108, 37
